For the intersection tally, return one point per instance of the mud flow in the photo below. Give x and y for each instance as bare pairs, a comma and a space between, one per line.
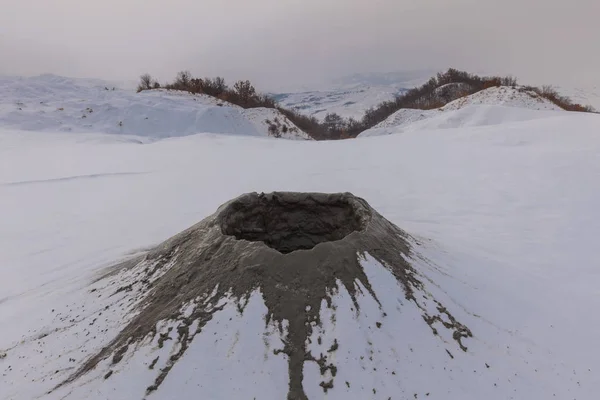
289, 222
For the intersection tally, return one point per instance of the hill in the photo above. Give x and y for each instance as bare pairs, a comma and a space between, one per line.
348, 102
53, 103
436, 92
492, 106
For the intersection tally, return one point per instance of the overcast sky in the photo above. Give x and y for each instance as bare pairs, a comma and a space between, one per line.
287, 42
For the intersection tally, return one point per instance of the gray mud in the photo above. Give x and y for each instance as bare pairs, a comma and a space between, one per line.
296, 248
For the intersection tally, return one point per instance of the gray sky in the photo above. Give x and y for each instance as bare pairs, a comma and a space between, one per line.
287, 42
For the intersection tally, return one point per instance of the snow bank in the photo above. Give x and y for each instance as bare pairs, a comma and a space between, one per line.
53, 103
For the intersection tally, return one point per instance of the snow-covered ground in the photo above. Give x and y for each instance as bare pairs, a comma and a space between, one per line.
54, 103
506, 215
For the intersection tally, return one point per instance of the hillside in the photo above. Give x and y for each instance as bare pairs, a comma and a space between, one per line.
53, 103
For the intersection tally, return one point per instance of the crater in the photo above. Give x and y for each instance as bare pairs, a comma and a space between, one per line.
289, 222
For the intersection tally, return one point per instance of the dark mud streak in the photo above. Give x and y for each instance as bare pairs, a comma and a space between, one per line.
71, 178
459, 331
293, 285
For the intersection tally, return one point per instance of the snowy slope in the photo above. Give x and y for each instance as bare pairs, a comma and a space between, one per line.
53, 103
505, 215
493, 106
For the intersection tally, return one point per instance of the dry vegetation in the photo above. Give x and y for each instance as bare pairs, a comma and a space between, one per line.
436, 92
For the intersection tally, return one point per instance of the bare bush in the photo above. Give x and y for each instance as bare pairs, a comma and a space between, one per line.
146, 83
183, 80
245, 91
214, 87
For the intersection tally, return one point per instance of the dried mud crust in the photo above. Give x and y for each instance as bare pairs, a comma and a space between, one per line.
328, 236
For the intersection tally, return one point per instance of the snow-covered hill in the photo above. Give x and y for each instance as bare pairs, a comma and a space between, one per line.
493, 106
53, 103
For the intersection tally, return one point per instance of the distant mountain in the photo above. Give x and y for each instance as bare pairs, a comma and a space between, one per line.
402, 78
350, 96
347, 102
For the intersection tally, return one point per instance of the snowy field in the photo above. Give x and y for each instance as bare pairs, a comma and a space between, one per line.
507, 214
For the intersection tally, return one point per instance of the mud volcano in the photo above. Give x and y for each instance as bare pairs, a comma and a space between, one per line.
298, 250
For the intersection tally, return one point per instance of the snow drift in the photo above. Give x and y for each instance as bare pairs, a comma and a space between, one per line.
53, 103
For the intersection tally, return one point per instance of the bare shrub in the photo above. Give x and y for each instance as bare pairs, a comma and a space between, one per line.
183, 80
245, 91
214, 87
146, 83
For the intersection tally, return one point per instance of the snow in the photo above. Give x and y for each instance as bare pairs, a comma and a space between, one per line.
505, 214
389, 351
226, 339
54, 103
